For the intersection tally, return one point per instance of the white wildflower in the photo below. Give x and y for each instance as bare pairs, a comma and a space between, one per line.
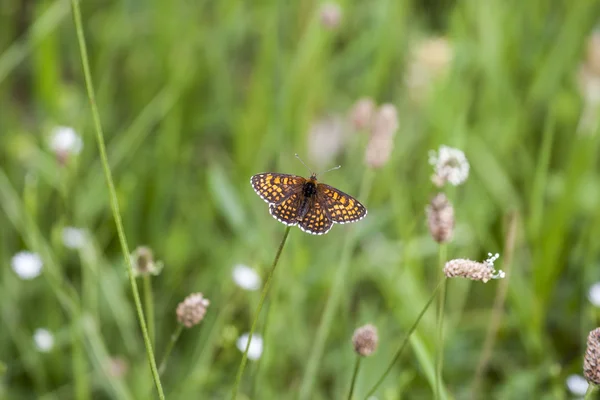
73, 238
450, 165
577, 384
256, 345
594, 294
43, 339
64, 140
246, 277
331, 15
27, 265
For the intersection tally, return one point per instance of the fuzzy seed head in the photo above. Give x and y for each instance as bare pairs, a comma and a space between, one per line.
331, 15
476, 271
591, 361
592, 59
450, 166
440, 218
362, 113
143, 262
365, 340
381, 143
192, 310
326, 139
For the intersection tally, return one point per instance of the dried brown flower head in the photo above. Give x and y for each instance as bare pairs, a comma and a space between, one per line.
362, 113
143, 262
477, 271
591, 361
381, 143
440, 218
192, 310
365, 340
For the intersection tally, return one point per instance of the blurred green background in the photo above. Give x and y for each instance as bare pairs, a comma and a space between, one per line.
197, 96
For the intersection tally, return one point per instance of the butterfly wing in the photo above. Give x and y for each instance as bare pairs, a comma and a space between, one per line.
339, 206
274, 188
316, 220
287, 211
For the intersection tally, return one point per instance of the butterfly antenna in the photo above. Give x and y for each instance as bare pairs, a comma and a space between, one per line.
330, 169
298, 157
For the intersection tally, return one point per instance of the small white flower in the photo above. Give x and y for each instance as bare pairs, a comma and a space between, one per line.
64, 140
577, 384
450, 165
73, 238
43, 339
256, 345
246, 278
594, 294
27, 265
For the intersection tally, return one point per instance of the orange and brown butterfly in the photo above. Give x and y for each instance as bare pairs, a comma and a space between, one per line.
313, 206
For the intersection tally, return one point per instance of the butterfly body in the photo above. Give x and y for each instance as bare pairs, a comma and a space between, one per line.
313, 206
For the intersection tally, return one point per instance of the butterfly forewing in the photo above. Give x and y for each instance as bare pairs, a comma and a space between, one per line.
274, 188
339, 206
316, 221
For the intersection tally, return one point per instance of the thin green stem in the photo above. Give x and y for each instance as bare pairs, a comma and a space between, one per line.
174, 338
589, 394
149, 307
261, 361
354, 375
439, 359
263, 295
406, 338
114, 204
333, 301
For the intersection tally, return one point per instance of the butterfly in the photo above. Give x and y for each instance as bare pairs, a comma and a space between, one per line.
313, 206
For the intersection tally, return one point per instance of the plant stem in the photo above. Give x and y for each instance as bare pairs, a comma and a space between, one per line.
174, 338
405, 341
354, 375
439, 361
589, 394
498, 308
112, 192
149, 307
333, 301
263, 295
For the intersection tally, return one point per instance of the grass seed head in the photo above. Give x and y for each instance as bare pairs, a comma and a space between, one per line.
440, 218
365, 340
591, 361
474, 270
191, 311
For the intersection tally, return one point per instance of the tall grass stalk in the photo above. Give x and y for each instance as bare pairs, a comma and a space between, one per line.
406, 338
112, 192
333, 301
149, 307
354, 375
589, 394
174, 338
439, 360
263, 296
498, 308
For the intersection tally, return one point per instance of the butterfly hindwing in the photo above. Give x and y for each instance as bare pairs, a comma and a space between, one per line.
315, 221
339, 206
287, 210
274, 188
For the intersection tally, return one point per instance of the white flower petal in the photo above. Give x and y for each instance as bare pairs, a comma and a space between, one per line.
246, 277
450, 165
256, 345
27, 265
64, 139
43, 339
73, 238
577, 384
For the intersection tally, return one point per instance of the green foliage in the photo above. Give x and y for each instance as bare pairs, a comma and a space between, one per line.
197, 96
